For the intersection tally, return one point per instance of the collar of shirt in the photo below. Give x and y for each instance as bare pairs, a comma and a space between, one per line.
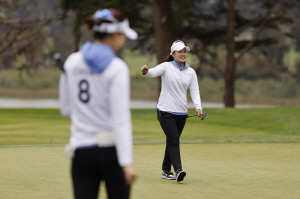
176, 64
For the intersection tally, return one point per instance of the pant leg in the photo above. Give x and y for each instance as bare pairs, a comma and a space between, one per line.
86, 182
114, 179
90, 166
166, 165
180, 122
169, 126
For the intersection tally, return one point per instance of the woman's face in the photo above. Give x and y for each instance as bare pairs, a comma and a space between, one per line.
180, 56
119, 41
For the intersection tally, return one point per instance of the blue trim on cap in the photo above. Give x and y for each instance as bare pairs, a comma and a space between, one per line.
104, 14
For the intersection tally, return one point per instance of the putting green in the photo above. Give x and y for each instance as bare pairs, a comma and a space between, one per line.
233, 170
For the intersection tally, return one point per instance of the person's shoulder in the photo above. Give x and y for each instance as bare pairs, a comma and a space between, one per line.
74, 57
117, 65
164, 64
167, 63
191, 70
118, 61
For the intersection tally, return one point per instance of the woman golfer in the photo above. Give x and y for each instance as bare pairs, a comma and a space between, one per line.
95, 93
172, 110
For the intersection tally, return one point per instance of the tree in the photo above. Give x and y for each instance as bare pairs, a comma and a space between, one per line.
22, 27
206, 25
163, 30
80, 9
266, 21
230, 60
202, 24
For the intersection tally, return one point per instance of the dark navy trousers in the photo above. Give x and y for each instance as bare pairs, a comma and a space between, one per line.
90, 166
172, 126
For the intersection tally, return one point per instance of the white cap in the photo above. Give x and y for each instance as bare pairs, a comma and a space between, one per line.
115, 26
178, 45
120, 27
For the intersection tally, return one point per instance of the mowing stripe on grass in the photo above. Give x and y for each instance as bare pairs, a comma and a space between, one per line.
227, 171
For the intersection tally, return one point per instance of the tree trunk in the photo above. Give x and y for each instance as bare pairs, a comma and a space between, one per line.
163, 30
76, 33
229, 100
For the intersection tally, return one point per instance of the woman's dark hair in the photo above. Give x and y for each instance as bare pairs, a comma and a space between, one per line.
169, 58
90, 22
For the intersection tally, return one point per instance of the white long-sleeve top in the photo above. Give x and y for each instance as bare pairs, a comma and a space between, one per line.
175, 83
97, 103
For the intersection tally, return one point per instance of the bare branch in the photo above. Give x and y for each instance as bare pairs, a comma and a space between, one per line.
263, 21
35, 3
5, 21
213, 64
250, 24
257, 34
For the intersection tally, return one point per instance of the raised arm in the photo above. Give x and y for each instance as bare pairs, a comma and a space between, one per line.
153, 72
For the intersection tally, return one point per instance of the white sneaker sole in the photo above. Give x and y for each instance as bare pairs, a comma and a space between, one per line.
164, 177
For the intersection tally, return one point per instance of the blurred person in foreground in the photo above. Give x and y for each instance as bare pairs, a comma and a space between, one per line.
94, 91
177, 77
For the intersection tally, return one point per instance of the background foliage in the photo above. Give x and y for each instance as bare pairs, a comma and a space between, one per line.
270, 69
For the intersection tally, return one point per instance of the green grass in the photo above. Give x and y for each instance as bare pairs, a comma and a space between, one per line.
225, 171
270, 125
33, 126
279, 125
214, 171
232, 154
42, 78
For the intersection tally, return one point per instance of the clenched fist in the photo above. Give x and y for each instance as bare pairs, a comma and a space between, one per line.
130, 174
144, 69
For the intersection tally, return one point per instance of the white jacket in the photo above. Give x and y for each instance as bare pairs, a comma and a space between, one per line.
107, 109
175, 83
